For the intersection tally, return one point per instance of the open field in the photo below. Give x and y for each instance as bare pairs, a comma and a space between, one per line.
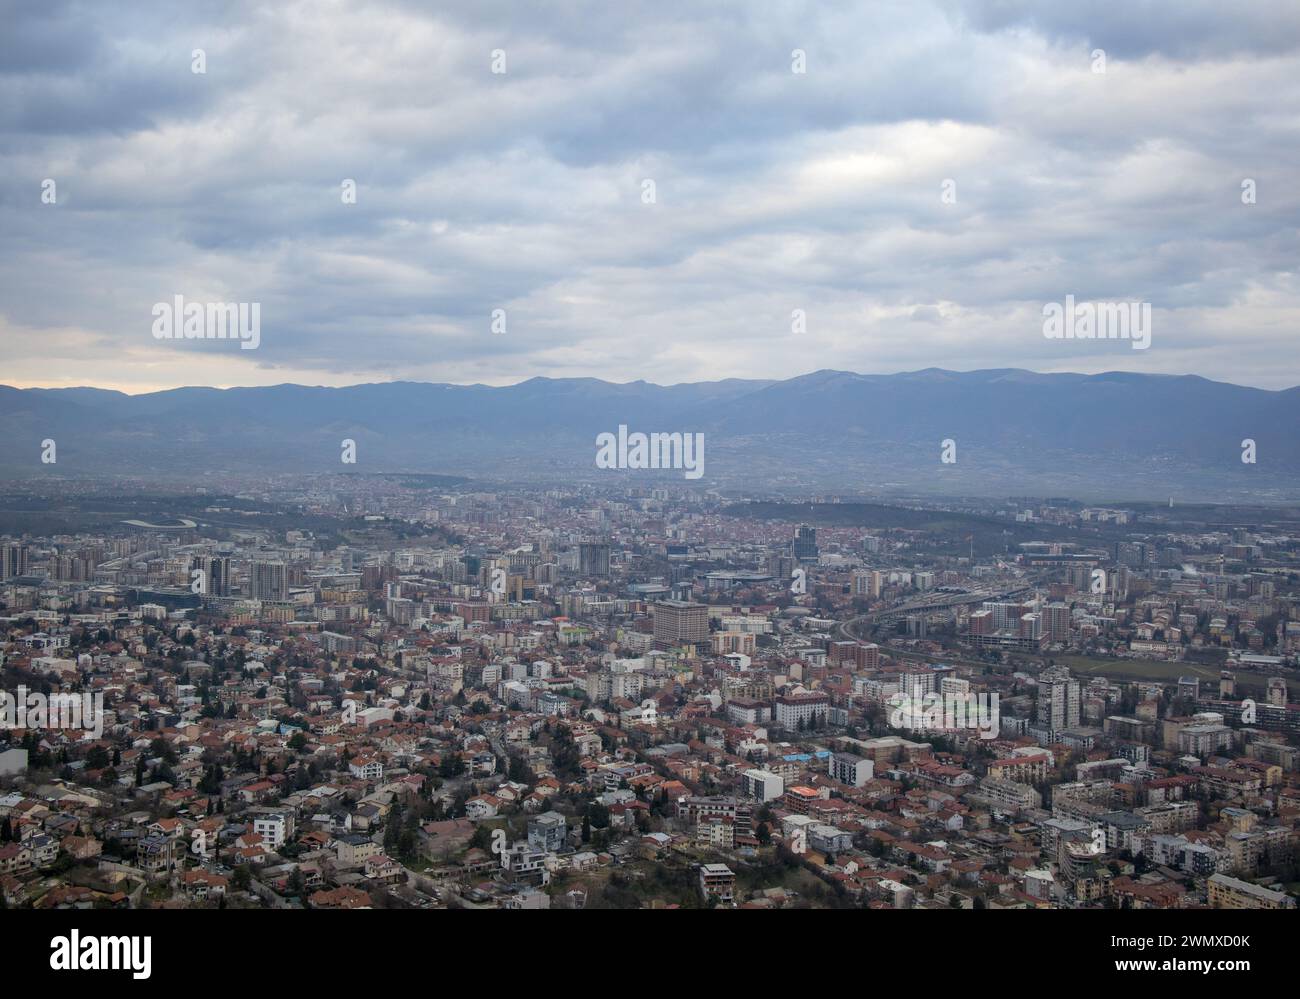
1168, 672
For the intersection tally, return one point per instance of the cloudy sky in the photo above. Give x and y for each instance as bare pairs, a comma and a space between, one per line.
525, 191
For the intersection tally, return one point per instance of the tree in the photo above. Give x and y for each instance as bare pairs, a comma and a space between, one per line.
97, 758
392, 830
482, 838
519, 772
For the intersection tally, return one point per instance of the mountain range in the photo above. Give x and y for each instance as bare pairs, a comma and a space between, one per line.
1115, 435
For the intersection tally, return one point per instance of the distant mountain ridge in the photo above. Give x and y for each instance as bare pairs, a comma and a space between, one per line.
1016, 432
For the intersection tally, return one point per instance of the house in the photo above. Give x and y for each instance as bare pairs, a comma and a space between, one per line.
339, 898
82, 847
274, 828
15, 858
260, 790
354, 850
156, 854
201, 884
484, 806
383, 868
366, 768
44, 849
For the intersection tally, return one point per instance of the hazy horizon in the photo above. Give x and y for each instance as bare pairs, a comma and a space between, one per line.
646, 381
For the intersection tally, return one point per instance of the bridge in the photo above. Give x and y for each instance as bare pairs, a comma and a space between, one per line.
849, 629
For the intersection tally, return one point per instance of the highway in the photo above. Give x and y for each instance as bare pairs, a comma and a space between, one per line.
848, 629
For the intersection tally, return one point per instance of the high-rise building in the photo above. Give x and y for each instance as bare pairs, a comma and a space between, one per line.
680, 622
216, 573
593, 558
268, 581
73, 567
1056, 622
781, 564
1005, 615
805, 543
1132, 553
1031, 626
13, 561
1058, 700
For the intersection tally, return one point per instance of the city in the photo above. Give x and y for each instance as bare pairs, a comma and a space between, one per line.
648, 697
637, 457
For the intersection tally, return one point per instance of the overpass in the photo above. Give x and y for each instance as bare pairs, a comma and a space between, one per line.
850, 629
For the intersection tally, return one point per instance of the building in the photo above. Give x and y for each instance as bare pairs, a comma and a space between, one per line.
13, 561
1009, 794
366, 768
808, 710
546, 832
827, 839
274, 828
1056, 622
1229, 893
1028, 768
216, 576
707, 808
268, 581
849, 769
762, 785
717, 881
1058, 702
804, 546
593, 558
747, 711
680, 622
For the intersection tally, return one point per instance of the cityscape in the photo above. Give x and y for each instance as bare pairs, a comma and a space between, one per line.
356, 691
642, 456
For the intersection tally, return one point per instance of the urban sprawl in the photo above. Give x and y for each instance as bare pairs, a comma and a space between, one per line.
365, 692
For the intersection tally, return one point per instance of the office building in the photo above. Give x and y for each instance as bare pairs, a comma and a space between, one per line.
268, 581
680, 622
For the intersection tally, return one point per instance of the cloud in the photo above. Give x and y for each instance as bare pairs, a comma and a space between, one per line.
523, 191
